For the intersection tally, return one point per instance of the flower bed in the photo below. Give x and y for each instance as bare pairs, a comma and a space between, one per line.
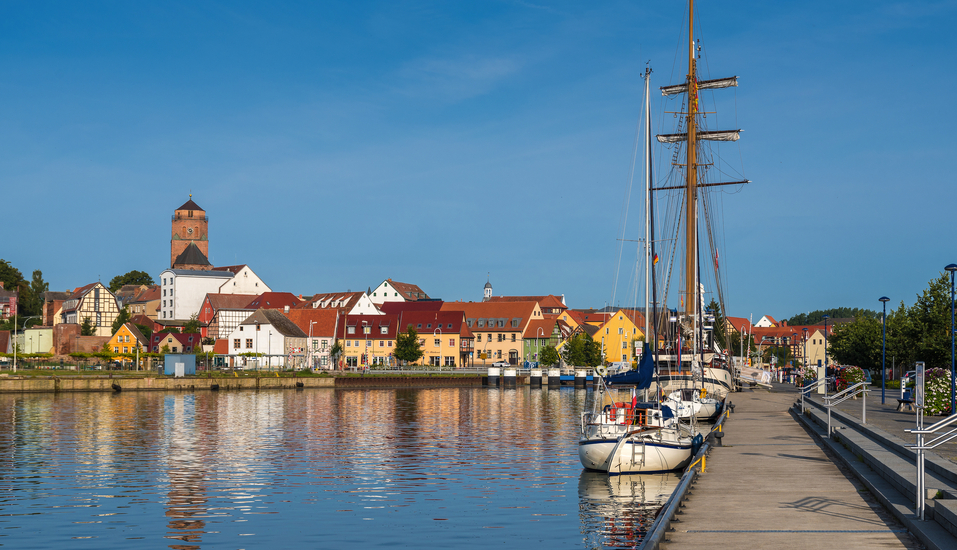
936, 391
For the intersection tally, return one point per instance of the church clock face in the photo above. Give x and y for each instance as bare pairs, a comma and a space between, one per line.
189, 230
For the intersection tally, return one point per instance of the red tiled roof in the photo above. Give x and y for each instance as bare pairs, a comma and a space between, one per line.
159, 339
549, 301
409, 291
397, 307
221, 347
540, 328
274, 300
147, 295
347, 300
738, 322
495, 310
374, 322
449, 322
325, 320
229, 301
234, 269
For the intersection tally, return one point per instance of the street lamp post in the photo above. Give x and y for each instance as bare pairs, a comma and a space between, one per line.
311, 346
538, 355
825, 353
953, 388
883, 300
805, 348
439, 331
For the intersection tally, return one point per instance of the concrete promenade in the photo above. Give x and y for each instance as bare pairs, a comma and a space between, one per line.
889, 419
772, 486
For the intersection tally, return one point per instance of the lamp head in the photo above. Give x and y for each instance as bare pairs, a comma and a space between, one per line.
885, 299
952, 268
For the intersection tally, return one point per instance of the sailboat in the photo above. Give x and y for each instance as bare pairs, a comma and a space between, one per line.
693, 359
620, 435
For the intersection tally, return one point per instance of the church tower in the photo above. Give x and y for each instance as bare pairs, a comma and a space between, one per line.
189, 245
488, 291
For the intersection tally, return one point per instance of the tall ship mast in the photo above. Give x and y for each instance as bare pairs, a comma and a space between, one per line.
689, 321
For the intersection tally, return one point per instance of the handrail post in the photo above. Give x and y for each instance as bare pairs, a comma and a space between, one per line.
864, 406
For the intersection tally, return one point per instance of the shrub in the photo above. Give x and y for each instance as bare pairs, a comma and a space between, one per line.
808, 373
937, 391
848, 376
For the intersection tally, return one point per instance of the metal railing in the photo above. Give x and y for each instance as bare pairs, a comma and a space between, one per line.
921, 446
807, 389
842, 396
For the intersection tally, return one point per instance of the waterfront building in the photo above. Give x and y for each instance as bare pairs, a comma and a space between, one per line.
177, 342
347, 303
766, 321
53, 307
550, 331
498, 327
127, 339
183, 291
8, 302
444, 336
94, 302
221, 313
271, 337
147, 302
620, 335
394, 291
367, 339
320, 326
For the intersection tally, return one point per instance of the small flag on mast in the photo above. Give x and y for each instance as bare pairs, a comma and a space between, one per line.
655, 261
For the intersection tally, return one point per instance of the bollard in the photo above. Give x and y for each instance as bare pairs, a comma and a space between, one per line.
535, 378
580, 375
509, 376
493, 374
554, 378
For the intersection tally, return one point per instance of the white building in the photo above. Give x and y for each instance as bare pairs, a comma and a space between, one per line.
350, 303
394, 291
270, 335
182, 291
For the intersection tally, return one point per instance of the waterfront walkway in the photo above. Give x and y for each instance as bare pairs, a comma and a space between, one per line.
772, 486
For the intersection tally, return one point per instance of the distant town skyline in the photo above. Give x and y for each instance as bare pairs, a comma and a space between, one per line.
335, 145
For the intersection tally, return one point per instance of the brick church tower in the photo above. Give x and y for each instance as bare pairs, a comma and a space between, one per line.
189, 245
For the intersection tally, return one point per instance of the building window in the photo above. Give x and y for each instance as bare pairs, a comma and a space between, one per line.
390, 343
438, 342
357, 343
235, 343
249, 343
383, 330
513, 337
421, 341
348, 343
624, 345
381, 344
175, 349
452, 342
126, 349
368, 343
116, 349
99, 319
606, 330
350, 330
621, 330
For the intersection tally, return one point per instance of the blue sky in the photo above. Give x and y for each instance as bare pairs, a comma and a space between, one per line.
335, 144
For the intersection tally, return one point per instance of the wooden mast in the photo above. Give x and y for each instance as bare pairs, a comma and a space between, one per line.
691, 182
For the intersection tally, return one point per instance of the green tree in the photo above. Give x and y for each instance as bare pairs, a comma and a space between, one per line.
574, 352
593, 352
121, 319
407, 347
335, 352
548, 356
165, 349
146, 331
34, 305
857, 343
131, 278
816, 317
86, 327
192, 326
719, 329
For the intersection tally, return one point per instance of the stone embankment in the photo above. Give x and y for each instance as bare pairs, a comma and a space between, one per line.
106, 383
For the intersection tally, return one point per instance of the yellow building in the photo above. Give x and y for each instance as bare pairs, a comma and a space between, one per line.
126, 340
620, 335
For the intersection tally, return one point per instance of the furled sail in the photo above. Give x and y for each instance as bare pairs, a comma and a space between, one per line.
718, 135
702, 85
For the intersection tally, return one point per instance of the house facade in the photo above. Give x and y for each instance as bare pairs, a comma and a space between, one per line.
8, 302
267, 339
220, 314
367, 340
175, 342
128, 339
498, 328
95, 302
394, 291
350, 303
320, 326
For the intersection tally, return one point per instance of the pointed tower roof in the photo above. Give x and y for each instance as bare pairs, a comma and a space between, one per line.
190, 205
192, 256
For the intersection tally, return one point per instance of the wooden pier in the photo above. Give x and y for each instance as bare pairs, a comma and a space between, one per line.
772, 486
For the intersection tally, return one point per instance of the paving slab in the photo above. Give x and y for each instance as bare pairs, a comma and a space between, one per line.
772, 486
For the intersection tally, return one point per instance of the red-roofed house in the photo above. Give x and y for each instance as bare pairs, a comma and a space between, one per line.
550, 304
367, 339
221, 313
94, 302
445, 337
499, 327
394, 291
275, 300
351, 303
320, 326
176, 342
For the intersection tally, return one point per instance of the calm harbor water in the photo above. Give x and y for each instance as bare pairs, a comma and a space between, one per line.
316, 468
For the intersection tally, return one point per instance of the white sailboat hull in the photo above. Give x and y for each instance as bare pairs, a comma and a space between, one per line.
649, 451
716, 381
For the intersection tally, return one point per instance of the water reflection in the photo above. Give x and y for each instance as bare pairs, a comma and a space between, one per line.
617, 511
439, 468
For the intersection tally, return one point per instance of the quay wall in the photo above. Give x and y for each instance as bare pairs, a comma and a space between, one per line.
55, 384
